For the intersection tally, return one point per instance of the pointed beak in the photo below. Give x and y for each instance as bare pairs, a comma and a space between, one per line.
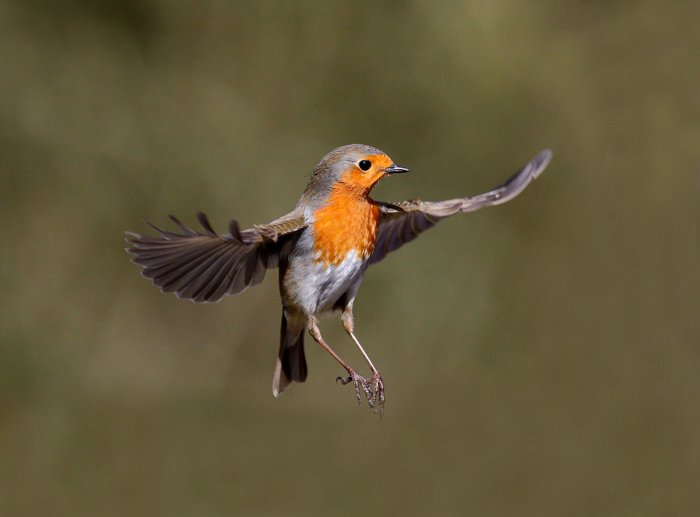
393, 169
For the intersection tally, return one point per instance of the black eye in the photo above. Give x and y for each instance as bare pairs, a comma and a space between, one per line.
365, 165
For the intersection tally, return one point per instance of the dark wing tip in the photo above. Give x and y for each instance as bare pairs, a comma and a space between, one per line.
204, 221
235, 230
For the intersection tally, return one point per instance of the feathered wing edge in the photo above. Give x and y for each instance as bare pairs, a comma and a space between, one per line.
203, 266
403, 221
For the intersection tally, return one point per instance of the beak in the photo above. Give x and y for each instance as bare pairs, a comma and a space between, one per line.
393, 169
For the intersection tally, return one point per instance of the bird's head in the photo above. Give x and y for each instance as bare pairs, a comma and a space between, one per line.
356, 167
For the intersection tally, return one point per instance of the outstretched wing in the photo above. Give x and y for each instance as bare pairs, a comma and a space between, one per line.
203, 266
403, 221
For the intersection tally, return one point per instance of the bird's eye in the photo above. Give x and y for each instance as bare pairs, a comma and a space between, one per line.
365, 165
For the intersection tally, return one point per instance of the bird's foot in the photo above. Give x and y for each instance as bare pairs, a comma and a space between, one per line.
372, 388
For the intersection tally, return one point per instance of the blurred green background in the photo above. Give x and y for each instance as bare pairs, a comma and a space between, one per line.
541, 358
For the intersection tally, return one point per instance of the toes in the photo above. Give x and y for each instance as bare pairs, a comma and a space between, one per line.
373, 389
369, 395
379, 387
357, 391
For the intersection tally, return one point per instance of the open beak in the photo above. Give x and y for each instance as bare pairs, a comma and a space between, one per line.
393, 169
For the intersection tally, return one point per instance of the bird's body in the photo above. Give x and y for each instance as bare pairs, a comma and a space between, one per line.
332, 251
322, 249
314, 288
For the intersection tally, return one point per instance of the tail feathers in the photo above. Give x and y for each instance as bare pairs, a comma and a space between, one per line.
291, 363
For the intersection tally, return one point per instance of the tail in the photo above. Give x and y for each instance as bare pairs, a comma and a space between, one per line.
291, 363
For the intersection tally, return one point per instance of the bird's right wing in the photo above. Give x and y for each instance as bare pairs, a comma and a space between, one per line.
403, 221
203, 266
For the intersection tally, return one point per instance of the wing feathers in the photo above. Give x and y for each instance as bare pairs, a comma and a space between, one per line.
203, 266
511, 188
403, 221
218, 284
185, 279
205, 223
234, 230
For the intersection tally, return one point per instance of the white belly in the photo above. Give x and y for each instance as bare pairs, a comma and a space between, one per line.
315, 287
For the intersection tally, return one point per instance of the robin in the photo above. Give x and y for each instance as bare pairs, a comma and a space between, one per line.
322, 249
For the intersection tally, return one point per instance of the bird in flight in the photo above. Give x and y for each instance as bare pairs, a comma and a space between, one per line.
321, 248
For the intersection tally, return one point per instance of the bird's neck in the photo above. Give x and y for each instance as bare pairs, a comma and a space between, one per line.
345, 224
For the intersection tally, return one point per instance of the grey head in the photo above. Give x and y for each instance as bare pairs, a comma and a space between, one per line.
335, 164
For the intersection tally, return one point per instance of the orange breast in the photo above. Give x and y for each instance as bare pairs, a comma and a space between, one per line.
348, 222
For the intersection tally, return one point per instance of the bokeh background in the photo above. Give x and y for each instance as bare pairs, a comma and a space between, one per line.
541, 358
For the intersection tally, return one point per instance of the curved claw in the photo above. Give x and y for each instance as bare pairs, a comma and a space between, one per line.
372, 388
348, 380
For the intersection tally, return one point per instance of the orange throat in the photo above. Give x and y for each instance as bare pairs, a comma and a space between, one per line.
348, 222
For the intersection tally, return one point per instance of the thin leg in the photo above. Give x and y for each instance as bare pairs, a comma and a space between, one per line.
316, 334
360, 382
376, 381
349, 325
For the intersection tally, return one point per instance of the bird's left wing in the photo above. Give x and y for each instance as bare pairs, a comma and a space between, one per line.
403, 221
203, 266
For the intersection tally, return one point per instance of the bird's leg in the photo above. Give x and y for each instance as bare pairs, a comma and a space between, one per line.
377, 382
349, 325
359, 381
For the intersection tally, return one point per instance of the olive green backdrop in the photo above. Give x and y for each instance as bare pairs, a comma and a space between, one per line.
541, 357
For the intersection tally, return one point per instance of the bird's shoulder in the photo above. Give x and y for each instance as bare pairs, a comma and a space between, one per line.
284, 225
